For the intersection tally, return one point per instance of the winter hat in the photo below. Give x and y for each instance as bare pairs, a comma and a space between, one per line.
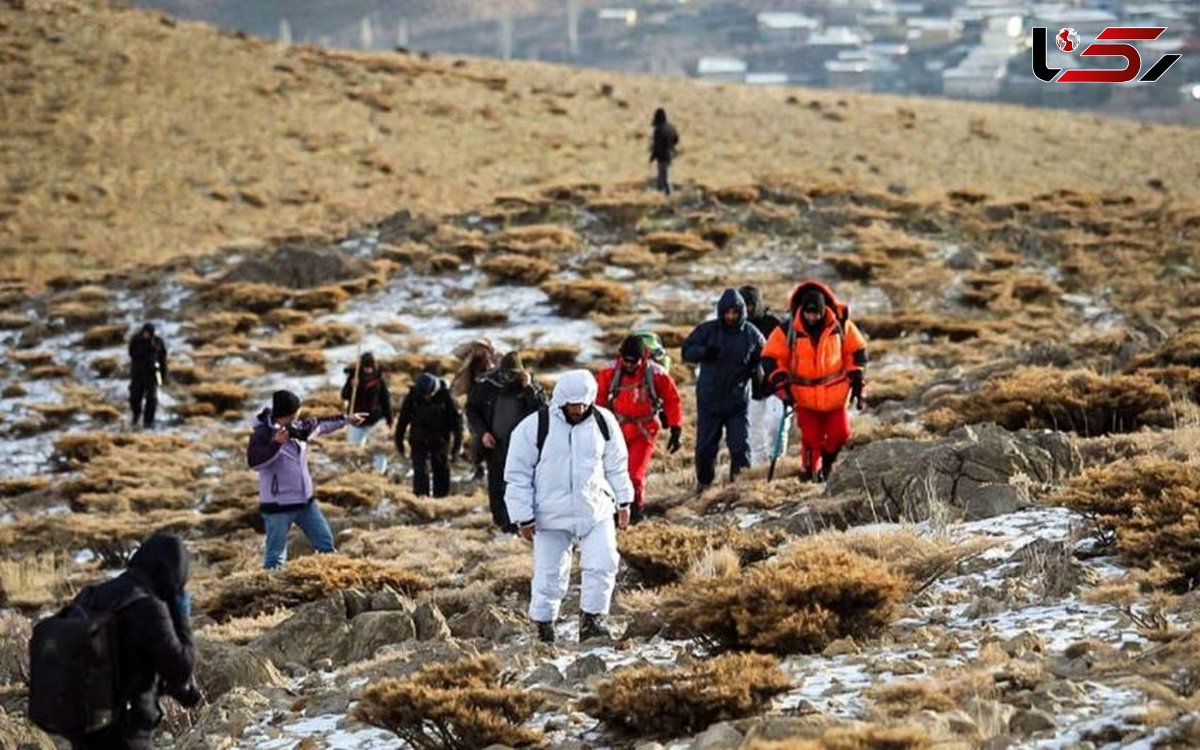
284, 403
366, 360
812, 300
660, 116
426, 384
632, 348
752, 297
148, 328
512, 362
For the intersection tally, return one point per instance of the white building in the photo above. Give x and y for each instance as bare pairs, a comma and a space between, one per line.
785, 28
722, 68
767, 79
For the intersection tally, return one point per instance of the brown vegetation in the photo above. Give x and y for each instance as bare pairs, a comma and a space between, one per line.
1149, 508
678, 244
221, 396
662, 553
861, 737
463, 705
582, 297
517, 269
661, 701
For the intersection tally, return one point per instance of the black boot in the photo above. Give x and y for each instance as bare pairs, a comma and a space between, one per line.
827, 460
545, 632
592, 626
635, 514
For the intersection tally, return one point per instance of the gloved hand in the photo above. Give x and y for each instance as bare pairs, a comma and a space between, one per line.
454, 453
712, 353
676, 440
183, 606
780, 384
856, 389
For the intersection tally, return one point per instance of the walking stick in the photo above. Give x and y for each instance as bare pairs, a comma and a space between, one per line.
780, 432
354, 383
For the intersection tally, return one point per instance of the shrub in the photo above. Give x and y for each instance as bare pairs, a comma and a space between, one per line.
541, 240
662, 553
459, 706
578, 298
110, 536
304, 580
323, 299
633, 256
248, 296
861, 737
15, 632
678, 244
473, 317
1149, 508
517, 269
325, 334
222, 396
100, 337
1049, 398
655, 700
212, 327
81, 313
309, 361
550, 356
819, 593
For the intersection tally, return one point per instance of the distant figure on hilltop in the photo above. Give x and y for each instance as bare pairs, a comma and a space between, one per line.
147, 371
662, 148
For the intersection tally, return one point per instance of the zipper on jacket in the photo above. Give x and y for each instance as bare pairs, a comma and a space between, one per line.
274, 484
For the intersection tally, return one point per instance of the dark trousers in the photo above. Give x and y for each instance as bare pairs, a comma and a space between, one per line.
496, 486
734, 424
663, 184
115, 738
423, 458
143, 389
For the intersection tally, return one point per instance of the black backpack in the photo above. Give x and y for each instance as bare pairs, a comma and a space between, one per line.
74, 678
543, 427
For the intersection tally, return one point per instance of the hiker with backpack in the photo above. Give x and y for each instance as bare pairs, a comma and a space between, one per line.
815, 362
147, 371
107, 698
436, 435
766, 410
278, 451
367, 388
640, 392
478, 357
728, 350
495, 406
663, 143
568, 484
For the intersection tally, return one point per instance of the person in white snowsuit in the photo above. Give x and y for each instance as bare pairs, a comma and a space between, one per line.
572, 489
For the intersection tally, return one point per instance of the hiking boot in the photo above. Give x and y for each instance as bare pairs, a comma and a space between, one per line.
545, 632
592, 626
636, 514
827, 460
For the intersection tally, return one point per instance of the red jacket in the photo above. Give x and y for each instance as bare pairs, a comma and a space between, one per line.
633, 404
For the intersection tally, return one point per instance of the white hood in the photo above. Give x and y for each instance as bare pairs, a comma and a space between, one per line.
574, 387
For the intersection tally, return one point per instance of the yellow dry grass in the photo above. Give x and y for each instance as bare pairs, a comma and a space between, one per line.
115, 152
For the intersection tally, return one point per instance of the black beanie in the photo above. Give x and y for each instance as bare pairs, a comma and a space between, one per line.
812, 300
512, 362
632, 347
284, 404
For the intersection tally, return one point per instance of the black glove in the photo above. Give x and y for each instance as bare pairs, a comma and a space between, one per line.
712, 353
189, 694
676, 440
856, 389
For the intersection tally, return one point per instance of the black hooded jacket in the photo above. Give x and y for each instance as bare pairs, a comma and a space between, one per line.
156, 652
146, 352
766, 323
665, 139
436, 422
729, 357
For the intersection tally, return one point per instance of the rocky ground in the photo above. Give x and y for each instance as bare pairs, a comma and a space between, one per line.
1003, 559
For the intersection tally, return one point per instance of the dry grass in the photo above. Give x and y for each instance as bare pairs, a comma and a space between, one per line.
660, 701
463, 705
861, 737
583, 297
325, 334
33, 581
304, 580
511, 268
103, 336
1149, 508
338, 124
678, 245
662, 553
221, 396
819, 592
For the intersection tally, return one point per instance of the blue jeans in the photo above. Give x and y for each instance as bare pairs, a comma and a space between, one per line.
311, 521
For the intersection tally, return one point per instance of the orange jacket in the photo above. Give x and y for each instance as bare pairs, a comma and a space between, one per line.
632, 405
819, 372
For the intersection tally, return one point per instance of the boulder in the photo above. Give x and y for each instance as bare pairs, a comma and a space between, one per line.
221, 667
1027, 722
585, 667
430, 622
314, 632
18, 734
546, 675
299, 266
972, 470
718, 737
371, 631
490, 623
388, 598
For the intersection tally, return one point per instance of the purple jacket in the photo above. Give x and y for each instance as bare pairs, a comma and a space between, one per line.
283, 477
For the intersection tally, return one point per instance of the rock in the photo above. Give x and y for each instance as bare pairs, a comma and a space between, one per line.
315, 631
775, 728
1031, 721
585, 667
357, 602
984, 607
547, 674
225, 720
964, 259
1023, 643
15, 632
299, 266
718, 737
991, 717
937, 724
649, 746
841, 647
370, 631
221, 667
18, 734
490, 623
999, 742
905, 475
991, 500
328, 702
388, 598
430, 622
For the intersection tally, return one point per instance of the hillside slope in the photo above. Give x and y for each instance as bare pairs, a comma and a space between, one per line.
127, 136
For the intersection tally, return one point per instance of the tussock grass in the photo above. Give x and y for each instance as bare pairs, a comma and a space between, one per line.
678, 244
583, 297
221, 396
511, 268
463, 705
303, 580
662, 553
858, 737
662, 701
103, 336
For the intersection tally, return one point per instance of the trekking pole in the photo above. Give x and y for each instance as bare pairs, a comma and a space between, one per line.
780, 432
354, 383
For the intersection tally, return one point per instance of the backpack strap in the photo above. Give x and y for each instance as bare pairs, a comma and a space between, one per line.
543, 427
